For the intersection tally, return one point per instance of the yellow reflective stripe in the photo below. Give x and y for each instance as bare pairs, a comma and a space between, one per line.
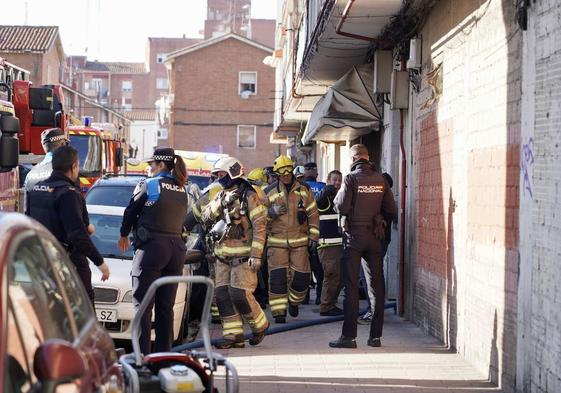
258, 210
278, 307
276, 195
300, 239
234, 324
278, 301
301, 193
276, 240
231, 251
311, 206
295, 298
85, 181
258, 322
236, 331
314, 231
257, 245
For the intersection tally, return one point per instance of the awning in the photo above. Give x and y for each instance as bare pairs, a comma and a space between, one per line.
347, 110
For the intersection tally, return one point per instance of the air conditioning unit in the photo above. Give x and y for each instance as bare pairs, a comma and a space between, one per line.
383, 65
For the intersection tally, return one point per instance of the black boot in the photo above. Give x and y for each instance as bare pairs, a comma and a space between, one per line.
293, 310
334, 312
229, 343
374, 342
343, 342
258, 337
280, 319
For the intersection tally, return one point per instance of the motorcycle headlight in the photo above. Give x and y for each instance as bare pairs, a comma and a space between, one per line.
127, 298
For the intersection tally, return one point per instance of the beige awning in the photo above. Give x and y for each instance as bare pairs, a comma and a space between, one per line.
347, 110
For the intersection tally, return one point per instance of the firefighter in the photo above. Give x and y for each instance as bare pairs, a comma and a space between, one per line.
330, 245
157, 211
51, 139
293, 231
58, 205
241, 219
363, 196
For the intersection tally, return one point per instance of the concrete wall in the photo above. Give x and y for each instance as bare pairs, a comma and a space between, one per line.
539, 337
465, 163
207, 110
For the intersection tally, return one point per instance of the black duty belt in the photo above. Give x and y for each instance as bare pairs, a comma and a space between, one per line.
233, 261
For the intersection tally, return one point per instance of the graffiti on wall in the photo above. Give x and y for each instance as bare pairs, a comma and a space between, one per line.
527, 161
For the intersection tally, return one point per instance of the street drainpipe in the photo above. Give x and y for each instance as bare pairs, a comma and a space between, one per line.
402, 216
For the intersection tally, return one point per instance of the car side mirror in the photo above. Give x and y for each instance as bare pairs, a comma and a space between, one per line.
56, 362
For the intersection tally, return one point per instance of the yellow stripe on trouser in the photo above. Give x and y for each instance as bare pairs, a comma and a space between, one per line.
259, 323
214, 310
278, 305
314, 231
234, 328
225, 251
296, 297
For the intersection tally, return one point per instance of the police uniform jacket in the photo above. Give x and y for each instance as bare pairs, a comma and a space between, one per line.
58, 205
39, 172
329, 232
249, 213
365, 194
285, 231
158, 205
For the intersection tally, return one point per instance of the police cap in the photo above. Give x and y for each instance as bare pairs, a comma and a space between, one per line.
166, 154
53, 135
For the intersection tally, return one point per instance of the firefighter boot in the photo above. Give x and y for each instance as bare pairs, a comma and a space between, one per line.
228, 343
293, 310
258, 337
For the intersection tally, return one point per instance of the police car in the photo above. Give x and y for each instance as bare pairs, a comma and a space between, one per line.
113, 298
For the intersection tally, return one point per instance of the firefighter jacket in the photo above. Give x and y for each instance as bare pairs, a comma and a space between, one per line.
329, 232
286, 230
246, 223
364, 194
208, 194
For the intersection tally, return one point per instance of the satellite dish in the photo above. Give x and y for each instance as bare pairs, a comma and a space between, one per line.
245, 94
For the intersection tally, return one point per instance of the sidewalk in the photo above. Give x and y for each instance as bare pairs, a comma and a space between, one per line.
301, 361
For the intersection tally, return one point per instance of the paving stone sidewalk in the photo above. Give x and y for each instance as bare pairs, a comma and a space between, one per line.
301, 361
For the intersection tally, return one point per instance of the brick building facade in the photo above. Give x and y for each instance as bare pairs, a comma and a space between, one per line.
211, 111
38, 49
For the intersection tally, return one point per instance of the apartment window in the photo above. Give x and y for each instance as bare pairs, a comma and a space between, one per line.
160, 58
247, 137
248, 83
127, 107
162, 83
126, 86
163, 133
96, 84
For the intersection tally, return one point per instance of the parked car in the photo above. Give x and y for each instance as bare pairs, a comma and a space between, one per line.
49, 331
113, 190
113, 298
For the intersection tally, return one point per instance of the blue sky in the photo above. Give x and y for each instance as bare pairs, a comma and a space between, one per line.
116, 30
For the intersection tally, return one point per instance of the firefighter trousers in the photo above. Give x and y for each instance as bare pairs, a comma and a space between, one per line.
330, 258
235, 283
289, 277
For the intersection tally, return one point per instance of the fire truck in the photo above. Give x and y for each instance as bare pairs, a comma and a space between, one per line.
9, 129
99, 149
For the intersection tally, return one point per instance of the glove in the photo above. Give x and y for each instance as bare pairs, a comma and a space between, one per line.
380, 227
230, 198
330, 190
312, 246
276, 210
254, 264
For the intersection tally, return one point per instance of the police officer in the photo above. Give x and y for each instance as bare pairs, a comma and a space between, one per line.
157, 211
364, 195
51, 139
242, 217
330, 246
58, 205
311, 176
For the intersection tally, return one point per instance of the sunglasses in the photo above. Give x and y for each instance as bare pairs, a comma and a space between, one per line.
284, 170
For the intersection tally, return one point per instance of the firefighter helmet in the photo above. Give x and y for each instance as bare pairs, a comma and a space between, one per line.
283, 165
257, 175
232, 166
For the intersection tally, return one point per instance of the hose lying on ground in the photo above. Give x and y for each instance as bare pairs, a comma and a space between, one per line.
277, 329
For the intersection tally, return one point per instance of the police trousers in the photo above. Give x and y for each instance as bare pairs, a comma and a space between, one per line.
83, 268
289, 277
361, 243
235, 283
160, 256
330, 258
